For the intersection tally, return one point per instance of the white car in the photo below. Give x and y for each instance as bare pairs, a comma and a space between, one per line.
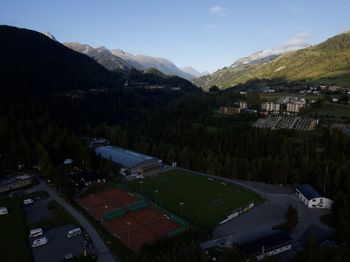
28, 201
40, 241
36, 232
69, 256
3, 211
74, 232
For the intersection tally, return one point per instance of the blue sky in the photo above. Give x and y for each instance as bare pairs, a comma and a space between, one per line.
206, 34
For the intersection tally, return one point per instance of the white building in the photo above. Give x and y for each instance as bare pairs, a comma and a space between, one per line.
311, 197
295, 107
270, 106
241, 105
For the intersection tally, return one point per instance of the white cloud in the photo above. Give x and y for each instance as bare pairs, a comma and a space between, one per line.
295, 43
218, 10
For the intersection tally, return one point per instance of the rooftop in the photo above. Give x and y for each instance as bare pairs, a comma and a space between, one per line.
308, 191
269, 242
122, 156
9, 180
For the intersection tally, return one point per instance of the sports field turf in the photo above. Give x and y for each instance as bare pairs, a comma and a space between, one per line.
206, 202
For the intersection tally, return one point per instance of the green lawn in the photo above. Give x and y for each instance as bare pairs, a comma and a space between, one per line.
272, 97
13, 245
205, 202
334, 110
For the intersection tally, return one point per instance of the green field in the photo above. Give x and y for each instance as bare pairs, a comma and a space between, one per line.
13, 245
272, 97
334, 110
206, 202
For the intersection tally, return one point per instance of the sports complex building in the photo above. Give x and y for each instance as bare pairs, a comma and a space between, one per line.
132, 164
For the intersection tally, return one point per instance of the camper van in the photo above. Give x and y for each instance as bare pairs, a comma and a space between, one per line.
74, 232
40, 242
28, 201
3, 211
36, 232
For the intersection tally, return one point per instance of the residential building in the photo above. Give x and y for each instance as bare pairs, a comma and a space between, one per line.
229, 110
311, 197
294, 107
241, 105
270, 106
15, 182
132, 164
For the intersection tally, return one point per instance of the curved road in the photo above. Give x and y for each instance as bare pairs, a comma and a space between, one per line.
104, 254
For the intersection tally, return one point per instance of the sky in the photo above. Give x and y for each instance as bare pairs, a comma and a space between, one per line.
204, 34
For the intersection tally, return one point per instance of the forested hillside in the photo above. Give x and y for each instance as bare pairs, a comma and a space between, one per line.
30, 61
325, 63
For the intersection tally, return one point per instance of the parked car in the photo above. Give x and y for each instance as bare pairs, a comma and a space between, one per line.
3, 211
36, 232
40, 242
68, 256
28, 201
74, 232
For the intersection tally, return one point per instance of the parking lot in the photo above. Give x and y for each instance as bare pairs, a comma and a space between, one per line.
59, 245
39, 211
55, 222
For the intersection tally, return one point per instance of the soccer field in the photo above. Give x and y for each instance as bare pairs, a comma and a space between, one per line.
206, 201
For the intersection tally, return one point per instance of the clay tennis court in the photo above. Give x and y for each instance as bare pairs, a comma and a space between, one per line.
140, 227
100, 203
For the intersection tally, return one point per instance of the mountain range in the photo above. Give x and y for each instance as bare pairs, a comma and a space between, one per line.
325, 63
117, 59
35, 63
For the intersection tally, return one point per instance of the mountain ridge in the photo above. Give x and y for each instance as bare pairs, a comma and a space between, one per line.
117, 59
35, 64
327, 62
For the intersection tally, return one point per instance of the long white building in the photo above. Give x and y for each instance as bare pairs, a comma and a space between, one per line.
311, 197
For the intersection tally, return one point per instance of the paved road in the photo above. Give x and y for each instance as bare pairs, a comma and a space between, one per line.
104, 254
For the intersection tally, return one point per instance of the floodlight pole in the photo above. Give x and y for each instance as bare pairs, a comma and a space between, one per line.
181, 205
128, 223
141, 183
155, 195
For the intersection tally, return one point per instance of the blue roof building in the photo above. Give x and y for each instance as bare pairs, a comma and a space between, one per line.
311, 197
131, 162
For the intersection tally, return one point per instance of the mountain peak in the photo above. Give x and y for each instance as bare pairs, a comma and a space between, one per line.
119, 59
51, 36
195, 73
